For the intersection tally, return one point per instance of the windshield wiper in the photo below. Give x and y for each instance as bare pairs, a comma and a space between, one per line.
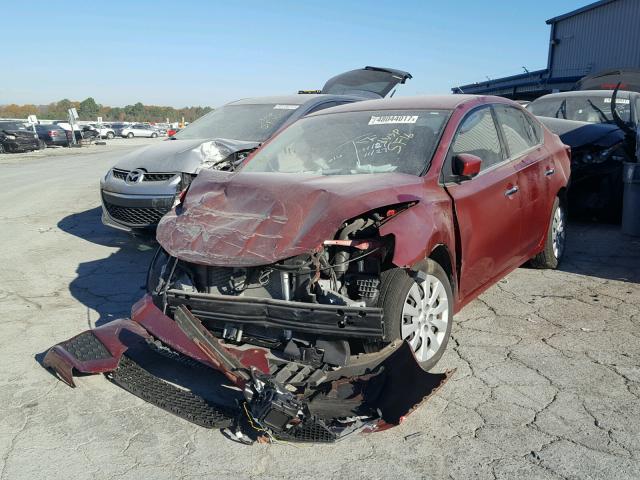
563, 109
603, 117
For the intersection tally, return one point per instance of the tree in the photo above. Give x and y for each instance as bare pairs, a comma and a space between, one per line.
89, 109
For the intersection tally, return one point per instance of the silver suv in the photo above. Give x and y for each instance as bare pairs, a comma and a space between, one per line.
144, 184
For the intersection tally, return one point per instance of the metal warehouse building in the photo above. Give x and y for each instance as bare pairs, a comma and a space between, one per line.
600, 36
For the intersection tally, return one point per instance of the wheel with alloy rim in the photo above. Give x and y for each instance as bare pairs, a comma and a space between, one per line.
110, 135
418, 308
154, 135
2, 150
130, 135
555, 241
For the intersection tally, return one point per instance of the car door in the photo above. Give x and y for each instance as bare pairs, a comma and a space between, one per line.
534, 167
487, 207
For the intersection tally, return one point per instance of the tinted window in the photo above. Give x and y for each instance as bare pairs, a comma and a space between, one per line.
478, 136
518, 131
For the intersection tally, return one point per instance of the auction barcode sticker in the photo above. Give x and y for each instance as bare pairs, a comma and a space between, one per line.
623, 101
285, 107
386, 119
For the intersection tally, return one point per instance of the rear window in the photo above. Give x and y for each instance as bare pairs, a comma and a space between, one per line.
591, 109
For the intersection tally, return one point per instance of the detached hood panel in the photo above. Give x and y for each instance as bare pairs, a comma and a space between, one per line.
250, 219
579, 134
180, 155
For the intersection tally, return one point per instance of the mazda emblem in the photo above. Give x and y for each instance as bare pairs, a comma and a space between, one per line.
135, 176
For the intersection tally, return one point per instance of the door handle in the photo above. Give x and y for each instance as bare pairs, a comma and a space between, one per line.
511, 191
549, 171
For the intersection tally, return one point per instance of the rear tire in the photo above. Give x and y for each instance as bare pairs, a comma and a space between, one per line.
2, 150
129, 135
110, 135
554, 244
418, 308
154, 135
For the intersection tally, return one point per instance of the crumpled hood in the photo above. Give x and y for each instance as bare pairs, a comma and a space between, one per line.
580, 134
249, 219
181, 155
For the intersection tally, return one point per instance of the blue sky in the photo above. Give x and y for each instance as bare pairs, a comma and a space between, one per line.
210, 52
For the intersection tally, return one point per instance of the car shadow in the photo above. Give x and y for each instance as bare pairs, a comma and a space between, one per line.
108, 286
603, 251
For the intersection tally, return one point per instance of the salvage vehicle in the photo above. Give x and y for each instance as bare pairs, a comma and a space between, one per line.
144, 184
15, 137
53, 135
601, 127
321, 277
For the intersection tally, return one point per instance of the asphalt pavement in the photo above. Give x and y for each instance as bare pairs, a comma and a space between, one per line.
547, 379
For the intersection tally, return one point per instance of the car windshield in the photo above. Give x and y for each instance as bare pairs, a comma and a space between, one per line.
354, 142
239, 122
12, 126
590, 109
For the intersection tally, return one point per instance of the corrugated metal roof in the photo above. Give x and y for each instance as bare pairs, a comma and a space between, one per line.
573, 13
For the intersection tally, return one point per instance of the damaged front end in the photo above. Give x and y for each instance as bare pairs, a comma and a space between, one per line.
302, 342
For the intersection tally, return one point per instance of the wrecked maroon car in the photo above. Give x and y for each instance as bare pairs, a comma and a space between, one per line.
321, 278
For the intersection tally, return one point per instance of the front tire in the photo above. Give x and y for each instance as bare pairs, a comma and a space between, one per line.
418, 308
154, 135
110, 135
129, 135
554, 244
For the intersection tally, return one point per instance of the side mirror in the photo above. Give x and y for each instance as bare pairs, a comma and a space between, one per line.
466, 166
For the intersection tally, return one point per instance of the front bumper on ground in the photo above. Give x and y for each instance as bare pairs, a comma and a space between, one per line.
372, 393
129, 212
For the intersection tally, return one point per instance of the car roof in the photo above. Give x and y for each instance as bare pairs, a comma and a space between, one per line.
295, 99
435, 102
589, 93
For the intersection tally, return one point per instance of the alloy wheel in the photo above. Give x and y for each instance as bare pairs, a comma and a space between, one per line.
425, 316
558, 233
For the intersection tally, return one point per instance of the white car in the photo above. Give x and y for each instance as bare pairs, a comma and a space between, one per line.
138, 130
105, 132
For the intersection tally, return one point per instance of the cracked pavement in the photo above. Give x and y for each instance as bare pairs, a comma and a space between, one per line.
546, 387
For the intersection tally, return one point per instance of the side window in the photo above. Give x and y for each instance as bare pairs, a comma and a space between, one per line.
325, 105
478, 136
518, 131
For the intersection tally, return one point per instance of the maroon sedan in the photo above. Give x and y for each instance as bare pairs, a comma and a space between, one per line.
322, 277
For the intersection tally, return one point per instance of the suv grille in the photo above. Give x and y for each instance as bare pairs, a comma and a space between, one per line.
141, 216
147, 177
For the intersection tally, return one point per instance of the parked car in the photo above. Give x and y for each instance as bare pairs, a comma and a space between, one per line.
15, 137
321, 277
117, 128
53, 135
143, 185
138, 130
602, 139
105, 131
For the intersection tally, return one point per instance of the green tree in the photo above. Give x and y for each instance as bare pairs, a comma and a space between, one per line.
89, 109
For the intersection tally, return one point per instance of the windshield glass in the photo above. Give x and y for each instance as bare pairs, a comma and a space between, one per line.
584, 109
354, 142
12, 126
239, 122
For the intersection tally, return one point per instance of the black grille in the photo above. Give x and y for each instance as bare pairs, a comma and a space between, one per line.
147, 177
136, 215
135, 379
86, 347
312, 430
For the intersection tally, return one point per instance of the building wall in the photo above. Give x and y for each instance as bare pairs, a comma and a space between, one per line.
605, 37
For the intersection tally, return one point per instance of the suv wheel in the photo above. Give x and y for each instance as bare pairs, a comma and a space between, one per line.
418, 308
